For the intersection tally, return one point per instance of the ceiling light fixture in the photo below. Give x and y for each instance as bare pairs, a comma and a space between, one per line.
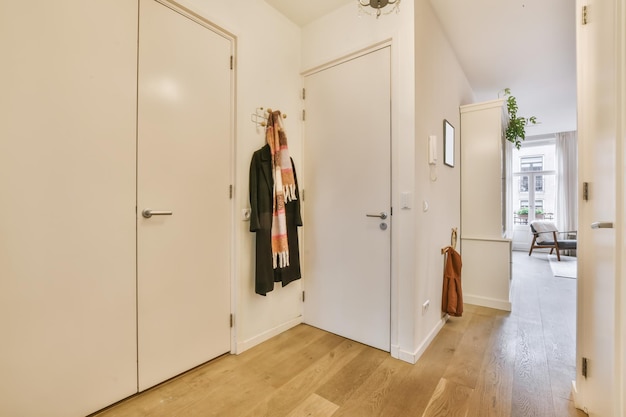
378, 5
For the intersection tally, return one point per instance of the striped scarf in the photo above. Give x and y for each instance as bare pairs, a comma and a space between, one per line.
284, 187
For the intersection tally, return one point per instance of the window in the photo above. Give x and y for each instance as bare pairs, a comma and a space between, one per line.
523, 204
523, 184
534, 188
539, 183
531, 163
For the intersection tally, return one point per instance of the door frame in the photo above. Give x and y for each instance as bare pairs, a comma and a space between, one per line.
395, 350
232, 39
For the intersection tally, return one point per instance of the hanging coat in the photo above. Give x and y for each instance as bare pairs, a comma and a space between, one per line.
452, 299
261, 186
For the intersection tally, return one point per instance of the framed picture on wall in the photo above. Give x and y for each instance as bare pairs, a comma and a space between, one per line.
448, 143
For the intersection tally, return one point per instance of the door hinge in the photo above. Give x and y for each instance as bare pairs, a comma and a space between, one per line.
303, 115
303, 296
585, 15
585, 191
585, 367
232, 320
304, 94
232, 61
302, 195
230, 191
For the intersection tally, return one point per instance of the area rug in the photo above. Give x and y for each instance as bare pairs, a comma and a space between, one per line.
566, 268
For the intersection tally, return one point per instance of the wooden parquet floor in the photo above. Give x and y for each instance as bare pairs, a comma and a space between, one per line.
488, 363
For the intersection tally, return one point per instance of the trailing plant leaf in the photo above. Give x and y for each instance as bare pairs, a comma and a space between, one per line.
516, 130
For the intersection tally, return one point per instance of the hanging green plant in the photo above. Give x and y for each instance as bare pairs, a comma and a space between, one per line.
516, 130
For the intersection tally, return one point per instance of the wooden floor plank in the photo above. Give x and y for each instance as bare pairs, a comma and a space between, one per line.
449, 399
316, 406
278, 371
492, 396
413, 392
532, 390
465, 366
342, 384
287, 398
372, 397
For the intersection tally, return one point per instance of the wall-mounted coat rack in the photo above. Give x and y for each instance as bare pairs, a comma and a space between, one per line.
259, 116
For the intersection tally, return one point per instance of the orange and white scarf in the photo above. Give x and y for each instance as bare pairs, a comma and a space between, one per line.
284, 187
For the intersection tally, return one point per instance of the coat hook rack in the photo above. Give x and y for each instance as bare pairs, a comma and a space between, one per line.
259, 116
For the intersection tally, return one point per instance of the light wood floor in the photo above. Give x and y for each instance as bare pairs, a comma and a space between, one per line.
487, 363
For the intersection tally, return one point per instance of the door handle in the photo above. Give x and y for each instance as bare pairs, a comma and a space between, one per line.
381, 215
602, 225
147, 213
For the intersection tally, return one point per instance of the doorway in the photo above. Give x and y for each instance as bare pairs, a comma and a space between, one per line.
347, 206
544, 290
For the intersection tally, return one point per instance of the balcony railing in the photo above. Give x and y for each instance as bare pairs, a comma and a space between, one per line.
523, 218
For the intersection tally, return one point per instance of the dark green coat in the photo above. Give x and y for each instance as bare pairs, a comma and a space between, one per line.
261, 185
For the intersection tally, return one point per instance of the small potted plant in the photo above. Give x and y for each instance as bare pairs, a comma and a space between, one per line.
516, 130
523, 213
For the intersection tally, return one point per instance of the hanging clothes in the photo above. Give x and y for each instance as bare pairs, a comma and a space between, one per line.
452, 297
275, 210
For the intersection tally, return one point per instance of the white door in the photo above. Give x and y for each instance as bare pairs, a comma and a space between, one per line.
184, 168
347, 176
598, 118
67, 219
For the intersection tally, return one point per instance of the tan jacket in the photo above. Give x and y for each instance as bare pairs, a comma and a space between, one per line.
452, 299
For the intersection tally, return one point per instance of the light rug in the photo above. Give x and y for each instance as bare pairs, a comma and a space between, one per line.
566, 268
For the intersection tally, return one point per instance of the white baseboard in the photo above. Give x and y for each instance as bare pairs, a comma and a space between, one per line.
413, 357
487, 302
395, 351
258, 339
576, 399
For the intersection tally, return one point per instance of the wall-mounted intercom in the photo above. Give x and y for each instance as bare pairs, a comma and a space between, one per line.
432, 150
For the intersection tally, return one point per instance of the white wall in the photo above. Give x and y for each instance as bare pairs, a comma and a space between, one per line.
268, 75
440, 87
428, 86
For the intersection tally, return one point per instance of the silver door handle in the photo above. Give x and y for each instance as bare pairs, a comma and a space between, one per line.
381, 215
147, 213
602, 225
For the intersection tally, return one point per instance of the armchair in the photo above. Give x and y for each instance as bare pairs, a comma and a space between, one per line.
546, 235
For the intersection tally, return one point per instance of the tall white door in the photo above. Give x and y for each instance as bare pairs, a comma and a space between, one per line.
67, 218
184, 175
347, 218
600, 167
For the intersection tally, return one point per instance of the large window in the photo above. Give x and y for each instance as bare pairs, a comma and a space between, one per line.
534, 176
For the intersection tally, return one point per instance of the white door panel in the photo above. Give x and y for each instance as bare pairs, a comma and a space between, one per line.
67, 218
598, 316
347, 175
184, 148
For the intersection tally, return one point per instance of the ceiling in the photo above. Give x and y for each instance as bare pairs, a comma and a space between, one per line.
525, 45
